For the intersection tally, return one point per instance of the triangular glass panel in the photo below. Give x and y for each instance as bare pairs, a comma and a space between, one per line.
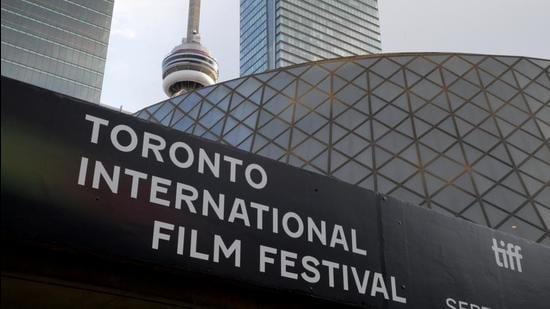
545, 214
324, 134
465, 182
337, 83
277, 104
421, 66
350, 94
374, 80
453, 199
433, 184
445, 168
365, 157
218, 94
237, 135
251, 120
167, 118
337, 160
474, 213
495, 214
321, 162
246, 144
259, 143
391, 116
314, 75
281, 80
331, 65
399, 79
492, 168
311, 123
397, 170
412, 77
290, 90
508, 78
387, 91
394, 142
309, 149
351, 144
512, 181
249, 86
273, 128
492, 66
303, 88
382, 156
297, 137
482, 183
385, 67
528, 214
527, 68
352, 172
349, 71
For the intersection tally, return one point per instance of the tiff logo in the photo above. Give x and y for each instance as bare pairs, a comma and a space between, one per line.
507, 255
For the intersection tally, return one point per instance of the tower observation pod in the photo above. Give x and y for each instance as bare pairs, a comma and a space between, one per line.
190, 65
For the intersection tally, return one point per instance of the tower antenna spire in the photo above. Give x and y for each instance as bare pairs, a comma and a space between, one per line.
190, 65
193, 21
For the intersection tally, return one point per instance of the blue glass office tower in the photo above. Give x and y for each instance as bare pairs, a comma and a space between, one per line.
278, 33
57, 45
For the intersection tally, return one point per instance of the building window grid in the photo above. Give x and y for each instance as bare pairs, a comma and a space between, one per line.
246, 22
324, 22
50, 74
55, 27
249, 42
68, 8
251, 10
252, 28
308, 32
340, 7
76, 20
311, 54
70, 52
320, 9
45, 58
257, 57
253, 53
88, 8
50, 65
251, 64
294, 30
63, 38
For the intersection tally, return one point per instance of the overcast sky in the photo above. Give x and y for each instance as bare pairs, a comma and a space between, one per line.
143, 32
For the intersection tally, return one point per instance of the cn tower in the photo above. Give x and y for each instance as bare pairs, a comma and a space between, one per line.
190, 65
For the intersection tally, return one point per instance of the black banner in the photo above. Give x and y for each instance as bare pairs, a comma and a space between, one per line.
86, 177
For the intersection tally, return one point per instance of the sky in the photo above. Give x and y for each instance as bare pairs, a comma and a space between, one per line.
143, 32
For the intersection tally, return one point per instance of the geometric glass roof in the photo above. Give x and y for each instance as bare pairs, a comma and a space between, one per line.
463, 134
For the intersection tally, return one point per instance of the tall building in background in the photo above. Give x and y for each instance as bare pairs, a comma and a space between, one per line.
57, 45
279, 33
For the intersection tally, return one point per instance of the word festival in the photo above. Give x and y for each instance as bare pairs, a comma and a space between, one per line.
225, 208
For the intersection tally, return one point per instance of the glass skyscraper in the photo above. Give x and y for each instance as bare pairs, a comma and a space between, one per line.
278, 33
57, 45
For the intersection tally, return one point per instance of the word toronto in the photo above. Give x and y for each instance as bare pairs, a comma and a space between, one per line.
214, 206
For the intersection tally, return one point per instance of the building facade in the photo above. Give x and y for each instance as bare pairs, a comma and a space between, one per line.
279, 33
57, 45
466, 135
